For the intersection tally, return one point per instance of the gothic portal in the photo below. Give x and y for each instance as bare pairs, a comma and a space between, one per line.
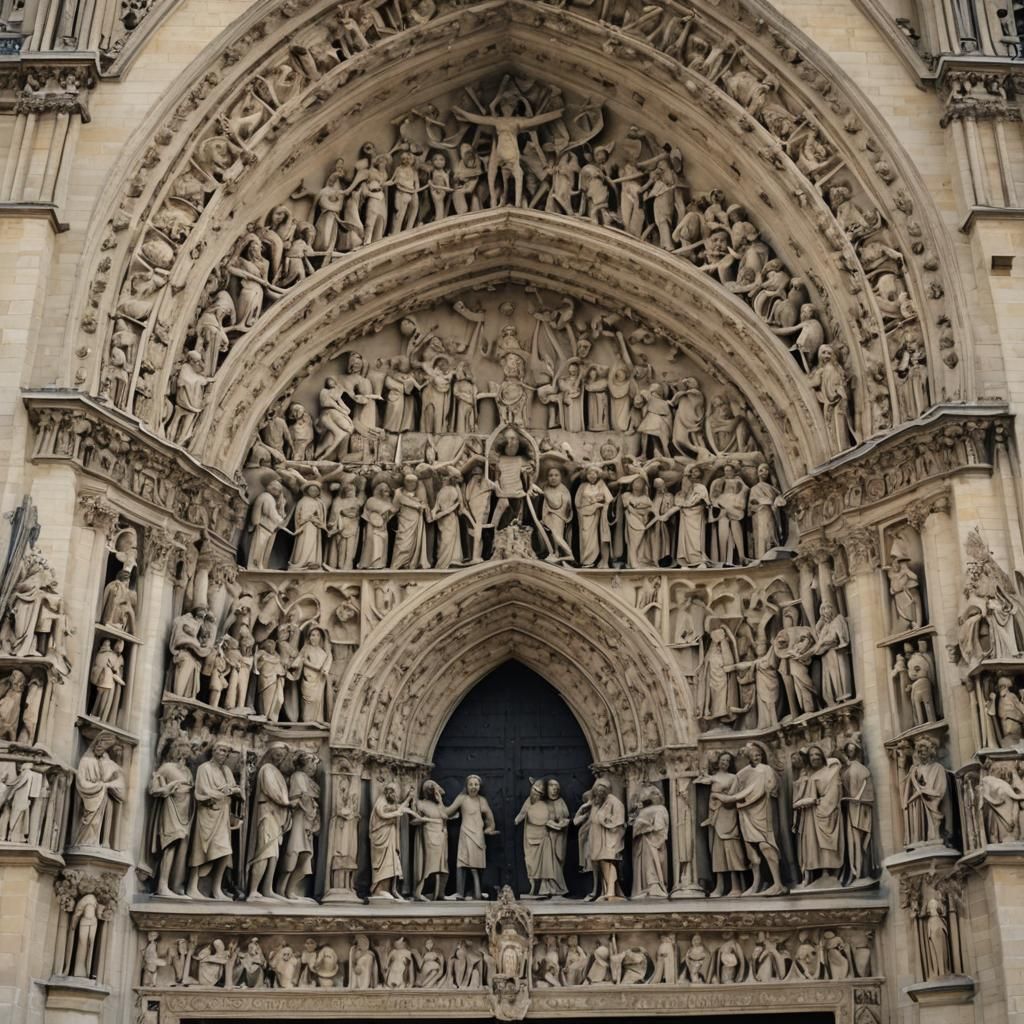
512, 510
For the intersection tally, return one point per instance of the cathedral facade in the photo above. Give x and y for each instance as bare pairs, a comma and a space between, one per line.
513, 510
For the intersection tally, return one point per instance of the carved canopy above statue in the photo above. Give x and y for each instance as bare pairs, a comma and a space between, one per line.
411, 673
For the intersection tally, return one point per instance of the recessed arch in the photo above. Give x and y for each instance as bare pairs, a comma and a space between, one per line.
364, 291
418, 664
660, 91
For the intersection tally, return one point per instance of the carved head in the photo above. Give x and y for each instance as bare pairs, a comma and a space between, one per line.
754, 754
220, 753
828, 613
473, 784
554, 789
763, 472
926, 749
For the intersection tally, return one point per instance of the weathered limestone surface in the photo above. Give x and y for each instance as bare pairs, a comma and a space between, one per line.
349, 352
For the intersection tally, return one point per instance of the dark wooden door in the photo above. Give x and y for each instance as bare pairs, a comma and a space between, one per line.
514, 726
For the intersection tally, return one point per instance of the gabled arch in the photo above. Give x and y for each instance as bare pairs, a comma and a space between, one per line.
629, 71
421, 660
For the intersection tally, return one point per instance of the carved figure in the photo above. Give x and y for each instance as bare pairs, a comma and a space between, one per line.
756, 787
606, 837
650, 846
171, 786
728, 857
385, 852
211, 851
272, 815
100, 784
431, 841
475, 824
925, 795
543, 867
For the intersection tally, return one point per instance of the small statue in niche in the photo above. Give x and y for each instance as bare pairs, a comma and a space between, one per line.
925, 795
904, 586
1006, 708
475, 824
100, 784
345, 843
916, 674
119, 600
831, 382
107, 679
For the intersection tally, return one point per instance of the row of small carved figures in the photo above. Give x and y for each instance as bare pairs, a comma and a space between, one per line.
555, 963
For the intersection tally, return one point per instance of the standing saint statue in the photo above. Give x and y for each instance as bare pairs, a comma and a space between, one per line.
756, 787
650, 846
272, 814
171, 786
385, 842
607, 837
431, 841
304, 793
904, 587
345, 842
926, 795
477, 822
859, 804
821, 826
728, 860
542, 865
310, 524
314, 663
100, 784
211, 834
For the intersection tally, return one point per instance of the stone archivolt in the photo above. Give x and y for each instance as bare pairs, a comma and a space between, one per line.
251, 119
673, 269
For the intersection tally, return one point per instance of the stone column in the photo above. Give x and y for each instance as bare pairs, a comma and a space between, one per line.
344, 782
682, 770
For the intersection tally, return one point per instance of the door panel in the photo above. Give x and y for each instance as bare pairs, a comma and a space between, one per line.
514, 726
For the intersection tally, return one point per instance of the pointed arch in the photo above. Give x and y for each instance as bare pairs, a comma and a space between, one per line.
719, 125
608, 663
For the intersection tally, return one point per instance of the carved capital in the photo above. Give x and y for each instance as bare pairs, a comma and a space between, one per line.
99, 514
919, 512
223, 572
158, 546
862, 551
